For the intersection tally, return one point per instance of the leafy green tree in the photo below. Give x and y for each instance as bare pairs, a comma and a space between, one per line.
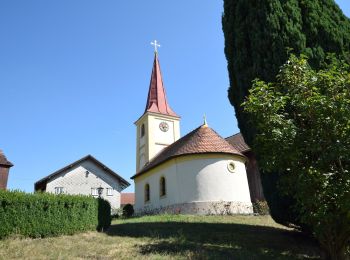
303, 130
258, 37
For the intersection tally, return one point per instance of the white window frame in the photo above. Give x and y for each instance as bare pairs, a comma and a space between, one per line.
58, 190
109, 191
94, 192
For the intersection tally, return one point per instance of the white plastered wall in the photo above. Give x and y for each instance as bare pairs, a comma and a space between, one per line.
194, 178
75, 181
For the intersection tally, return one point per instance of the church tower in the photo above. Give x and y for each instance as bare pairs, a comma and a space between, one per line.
159, 126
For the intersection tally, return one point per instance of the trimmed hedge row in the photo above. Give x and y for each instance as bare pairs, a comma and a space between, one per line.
45, 214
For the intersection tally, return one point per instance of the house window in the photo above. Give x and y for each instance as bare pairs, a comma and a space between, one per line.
94, 192
147, 192
162, 187
58, 190
109, 192
142, 130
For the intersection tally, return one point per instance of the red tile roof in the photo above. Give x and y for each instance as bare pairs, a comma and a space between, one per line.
127, 198
238, 142
202, 140
157, 101
4, 161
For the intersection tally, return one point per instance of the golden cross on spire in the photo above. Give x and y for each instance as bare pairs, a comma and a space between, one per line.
156, 45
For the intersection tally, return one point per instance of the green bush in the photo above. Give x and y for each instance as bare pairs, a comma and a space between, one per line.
128, 211
313, 28
45, 214
261, 207
116, 213
104, 214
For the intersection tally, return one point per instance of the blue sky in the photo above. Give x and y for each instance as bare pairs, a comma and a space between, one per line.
74, 77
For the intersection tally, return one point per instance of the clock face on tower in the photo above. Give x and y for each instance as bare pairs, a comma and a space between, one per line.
164, 126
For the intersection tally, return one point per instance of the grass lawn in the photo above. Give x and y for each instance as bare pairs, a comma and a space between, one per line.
172, 237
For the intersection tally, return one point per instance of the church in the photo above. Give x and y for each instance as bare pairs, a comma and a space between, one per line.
199, 173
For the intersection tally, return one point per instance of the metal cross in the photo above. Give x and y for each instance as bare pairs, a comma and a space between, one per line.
155, 45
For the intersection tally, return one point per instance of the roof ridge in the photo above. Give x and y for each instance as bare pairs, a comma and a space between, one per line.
228, 141
234, 135
237, 141
116, 175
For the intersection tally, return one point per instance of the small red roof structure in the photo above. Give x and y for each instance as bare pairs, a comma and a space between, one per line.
3, 160
127, 198
5, 166
157, 101
202, 140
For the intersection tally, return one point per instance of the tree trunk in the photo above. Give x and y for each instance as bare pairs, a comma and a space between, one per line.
336, 252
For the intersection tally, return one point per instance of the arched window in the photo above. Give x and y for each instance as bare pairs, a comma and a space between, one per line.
147, 192
162, 187
142, 130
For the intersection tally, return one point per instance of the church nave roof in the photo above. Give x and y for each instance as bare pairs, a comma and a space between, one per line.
202, 140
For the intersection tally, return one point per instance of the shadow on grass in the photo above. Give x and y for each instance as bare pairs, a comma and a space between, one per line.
218, 240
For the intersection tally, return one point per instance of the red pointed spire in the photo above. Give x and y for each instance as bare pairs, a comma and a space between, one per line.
157, 101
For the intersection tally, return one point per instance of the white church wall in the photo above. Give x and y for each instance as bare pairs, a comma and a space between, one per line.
169, 172
196, 181
76, 181
141, 143
213, 180
142, 140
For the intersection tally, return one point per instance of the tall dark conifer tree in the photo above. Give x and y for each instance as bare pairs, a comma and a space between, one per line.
259, 34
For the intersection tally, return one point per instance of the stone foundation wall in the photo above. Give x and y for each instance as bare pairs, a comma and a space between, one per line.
201, 208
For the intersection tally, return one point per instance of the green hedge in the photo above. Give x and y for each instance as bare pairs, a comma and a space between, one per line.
45, 214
